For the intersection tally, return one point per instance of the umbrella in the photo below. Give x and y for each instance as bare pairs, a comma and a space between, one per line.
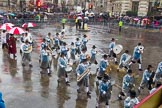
5, 27
10, 24
1, 16
12, 14
145, 19
16, 31
136, 19
25, 25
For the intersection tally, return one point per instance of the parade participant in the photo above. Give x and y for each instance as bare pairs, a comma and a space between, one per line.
84, 42
45, 60
81, 68
78, 46
26, 53
64, 49
3, 38
102, 68
82, 55
63, 62
27, 37
158, 84
12, 46
48, 40
93, 55
43, 44
146, 78
124, 59
158, 73
72, 51
131, 100
105, 90
62, 36
57, 41
111, 52
127, 85
2, 104
137, 56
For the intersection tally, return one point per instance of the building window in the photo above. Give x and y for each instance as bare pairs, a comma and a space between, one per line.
135, 5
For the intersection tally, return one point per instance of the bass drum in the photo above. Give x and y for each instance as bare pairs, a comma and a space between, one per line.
68, 69
117, 49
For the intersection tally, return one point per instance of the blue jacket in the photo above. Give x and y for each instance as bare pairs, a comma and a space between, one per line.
104, 87
136, 53
130, 103
43, 44
77, 43
127, 80
56, 41
146, 76
84, 41
44, 56
103, 65
93, 53
111, 45
158, 73
72, 50
2, 104
64, 50
62, 62
123, 57
81, 68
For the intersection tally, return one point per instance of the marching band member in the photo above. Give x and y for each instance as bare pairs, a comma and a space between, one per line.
105, 89
78, 46
62, 36
63, 62
27, 37
84, 42
64, 49
26, 53
127, 85
158, 73
57, 41
81, 68
49, 40
111, 52
158, 84
43, 44
123, 59
72, 51
82, 55
45, 61
131, 101
93, 55
146, 78
102, 68
137, 57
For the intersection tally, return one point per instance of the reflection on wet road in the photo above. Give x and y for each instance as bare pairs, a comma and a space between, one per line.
27, 88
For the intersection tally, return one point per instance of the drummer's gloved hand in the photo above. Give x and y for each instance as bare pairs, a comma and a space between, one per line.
104, 69
62, 66
104, 92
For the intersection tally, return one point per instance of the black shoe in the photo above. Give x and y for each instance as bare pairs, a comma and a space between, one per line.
78, 91
140, 69
49, 74
116, 63
23, 64
30, 65
88, 93
119, 97
68, 83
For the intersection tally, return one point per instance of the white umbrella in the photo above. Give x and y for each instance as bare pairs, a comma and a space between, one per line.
5, 27
10, 24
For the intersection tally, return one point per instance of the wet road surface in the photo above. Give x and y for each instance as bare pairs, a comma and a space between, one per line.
27, 88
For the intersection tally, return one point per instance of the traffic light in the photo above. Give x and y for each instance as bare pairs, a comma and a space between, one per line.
38, 3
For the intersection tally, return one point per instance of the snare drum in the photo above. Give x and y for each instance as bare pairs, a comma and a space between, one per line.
68, 69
